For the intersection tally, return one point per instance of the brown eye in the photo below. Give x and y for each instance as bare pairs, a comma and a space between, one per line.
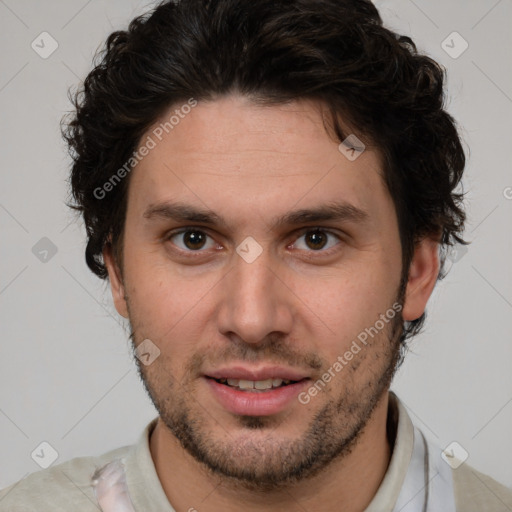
316, 239
194, 239
190, 240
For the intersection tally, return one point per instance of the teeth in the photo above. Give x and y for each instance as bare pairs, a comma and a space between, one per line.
251, 384
263, 384
246, 384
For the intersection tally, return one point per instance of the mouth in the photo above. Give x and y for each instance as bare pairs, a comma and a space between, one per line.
256, 386
256, 392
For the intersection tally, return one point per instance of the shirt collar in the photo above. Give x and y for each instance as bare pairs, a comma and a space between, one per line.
393, 480
144, 486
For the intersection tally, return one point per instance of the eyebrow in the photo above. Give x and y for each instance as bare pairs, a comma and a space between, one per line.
182, 212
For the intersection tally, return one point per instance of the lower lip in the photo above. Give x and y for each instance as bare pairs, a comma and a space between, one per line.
254, 403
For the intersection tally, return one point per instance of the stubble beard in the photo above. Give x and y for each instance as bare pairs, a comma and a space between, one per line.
267, 462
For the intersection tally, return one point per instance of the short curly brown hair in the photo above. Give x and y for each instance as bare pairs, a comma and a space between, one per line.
334, 51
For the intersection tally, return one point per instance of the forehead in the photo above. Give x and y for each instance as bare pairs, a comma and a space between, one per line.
235, 124
232, 154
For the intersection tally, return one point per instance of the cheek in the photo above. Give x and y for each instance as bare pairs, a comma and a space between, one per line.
342, 304
164, 305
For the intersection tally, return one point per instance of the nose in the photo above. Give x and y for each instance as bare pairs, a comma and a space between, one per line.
256, 301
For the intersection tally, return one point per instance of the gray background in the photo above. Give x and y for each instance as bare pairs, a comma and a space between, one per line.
66, 374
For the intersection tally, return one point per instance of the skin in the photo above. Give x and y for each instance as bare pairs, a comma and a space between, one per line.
298, 304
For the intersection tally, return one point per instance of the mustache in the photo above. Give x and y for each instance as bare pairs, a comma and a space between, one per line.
268, 351
272, 350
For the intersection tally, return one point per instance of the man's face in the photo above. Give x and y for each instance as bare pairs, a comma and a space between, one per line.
285, 313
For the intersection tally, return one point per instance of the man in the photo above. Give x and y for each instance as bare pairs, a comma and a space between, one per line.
268, 187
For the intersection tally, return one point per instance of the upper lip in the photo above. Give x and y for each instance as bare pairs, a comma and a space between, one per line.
255, 374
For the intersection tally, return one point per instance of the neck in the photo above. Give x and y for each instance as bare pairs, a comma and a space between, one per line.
348, 484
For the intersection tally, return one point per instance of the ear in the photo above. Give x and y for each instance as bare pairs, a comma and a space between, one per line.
423, 273
116, 280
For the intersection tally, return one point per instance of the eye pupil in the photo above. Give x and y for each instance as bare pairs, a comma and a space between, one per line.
194, 239
318, 239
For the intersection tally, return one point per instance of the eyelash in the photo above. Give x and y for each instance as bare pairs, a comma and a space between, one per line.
301, 233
